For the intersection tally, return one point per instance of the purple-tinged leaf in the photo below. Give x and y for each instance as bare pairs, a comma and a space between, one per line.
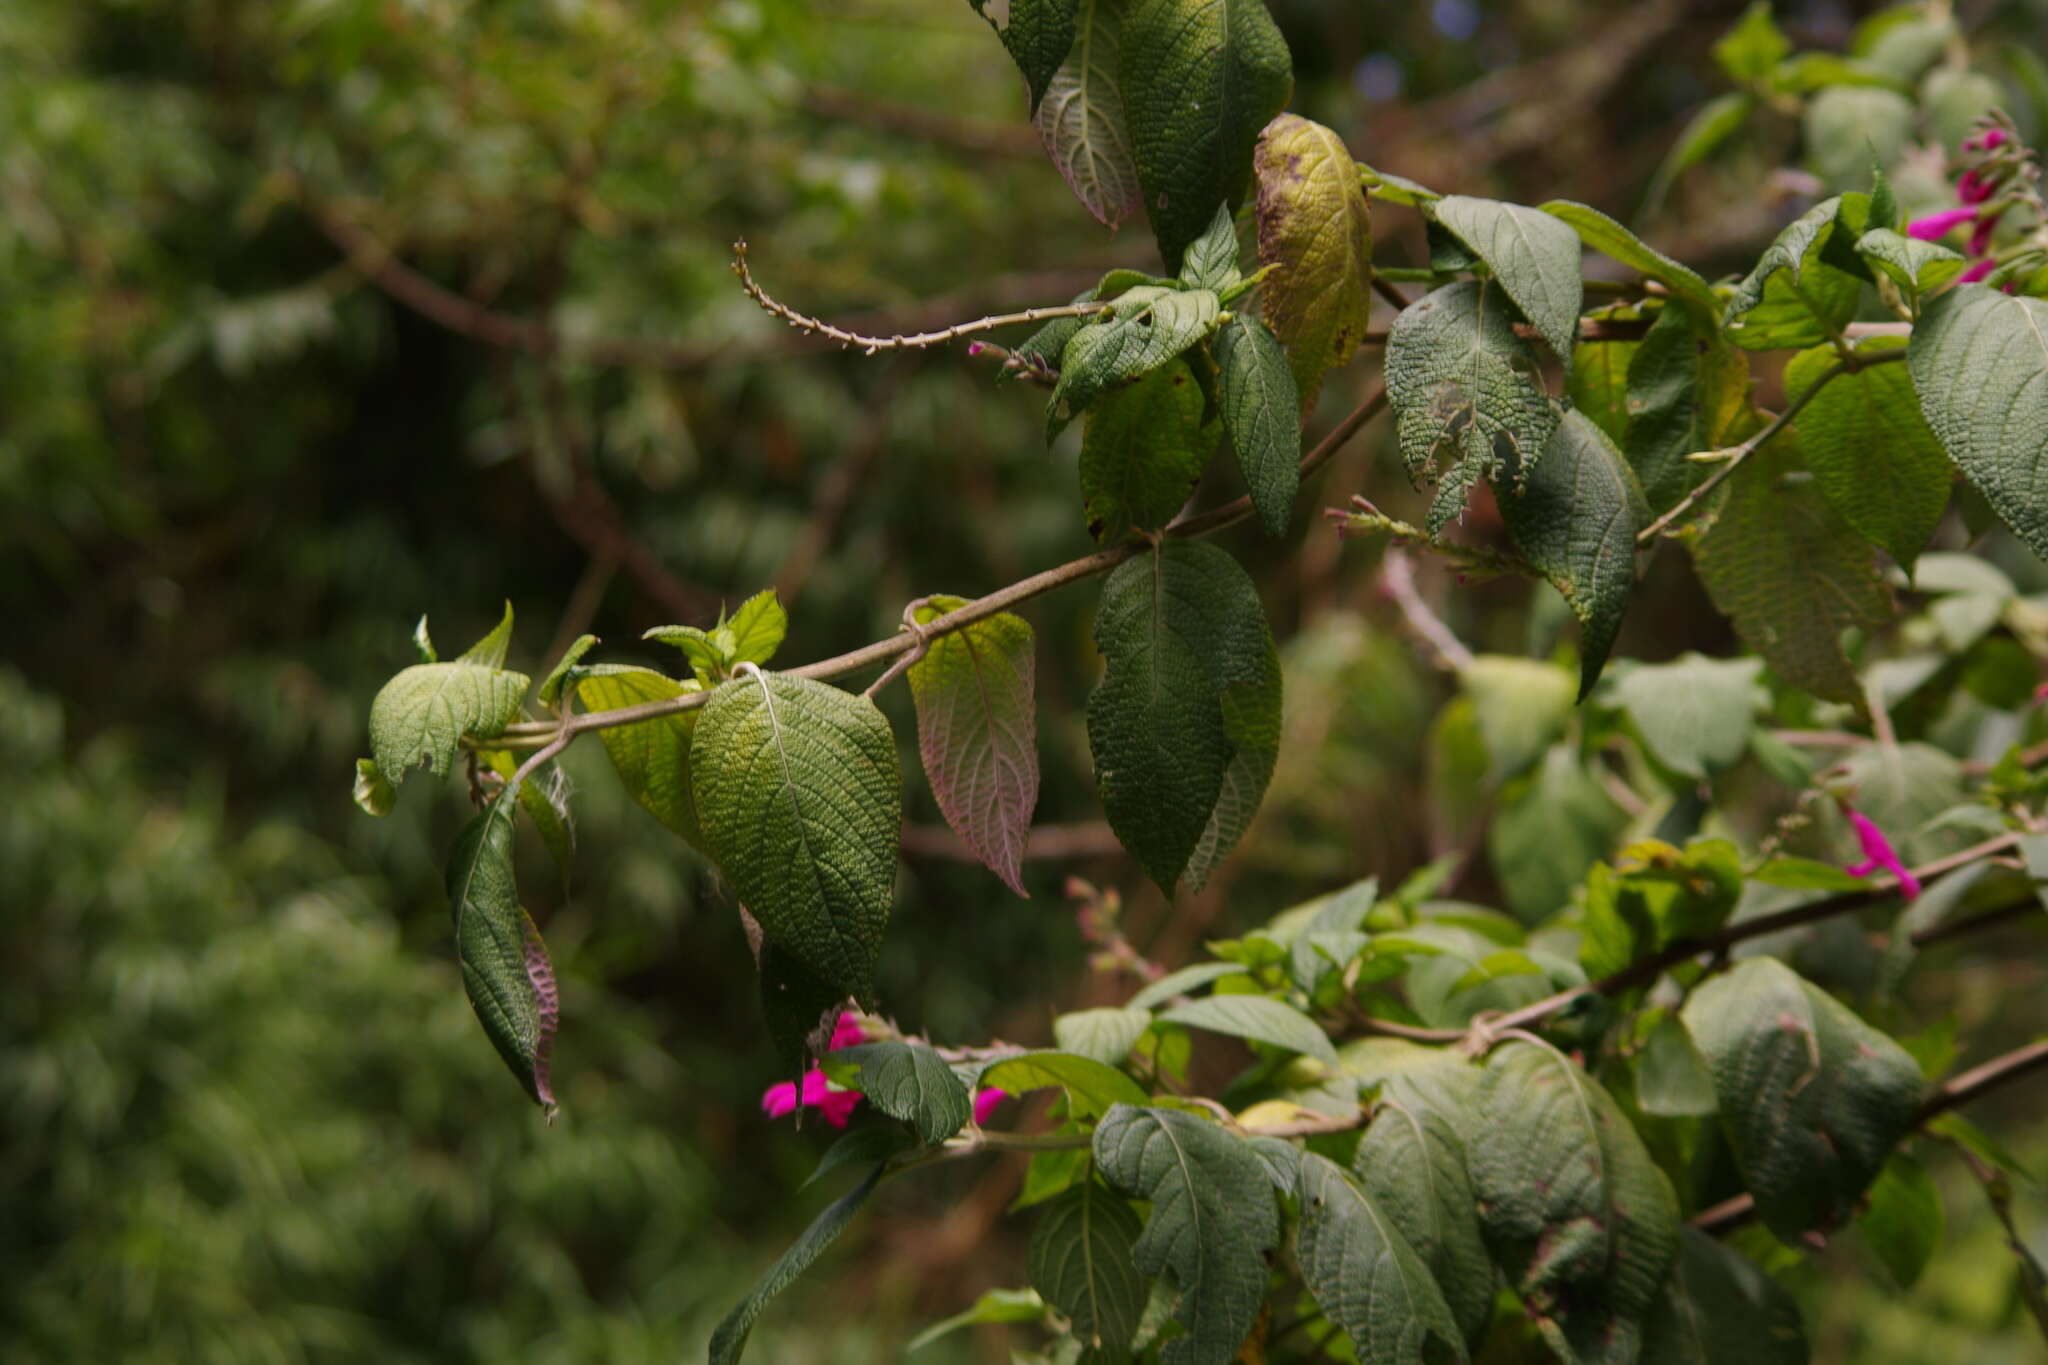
505, 967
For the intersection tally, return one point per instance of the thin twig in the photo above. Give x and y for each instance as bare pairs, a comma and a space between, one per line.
1397, 577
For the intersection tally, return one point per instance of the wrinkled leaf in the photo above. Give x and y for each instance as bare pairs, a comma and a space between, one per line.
1979, 361
1533, 255
909, 1081
1259, 408
1366, 1276
1081, 119
1314, 223
1081, 1261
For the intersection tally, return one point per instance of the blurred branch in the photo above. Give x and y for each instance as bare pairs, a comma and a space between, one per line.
924, 125
1397, 580
1086, 839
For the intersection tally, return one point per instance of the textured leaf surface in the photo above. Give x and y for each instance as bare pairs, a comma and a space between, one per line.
1617, 243
1316, 226
1576, 1212
1684, 393
1913, 265
505, 967
558, 676
1979, 360
1465, 391
423, 714
1533, 255
757, 628
1871, 453
977, 730
1366, 1276
730, 1339
1812, 1099
1091, 1086
1143, 449
1211, 259
1177, 627
651, 757
1213, 1221
1080, 1261
1695, 713
1575, 519
1081, 119
798, 792
1258, 1019
1036, 33
1792, 298
1791, 573
1720, 1309
909, 1081
799, 1006
1260, 414
1252, 720
1149, 326
1411, 1162
1200, 78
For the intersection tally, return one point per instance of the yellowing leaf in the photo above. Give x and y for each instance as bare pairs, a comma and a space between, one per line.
1316, 226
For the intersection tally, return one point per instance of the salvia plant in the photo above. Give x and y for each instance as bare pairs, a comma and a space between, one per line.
1588, 1123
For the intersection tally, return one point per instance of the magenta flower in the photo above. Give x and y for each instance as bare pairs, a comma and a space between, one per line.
817, 1092
1988, 140
1977, 271
985, 1102
1973, 188
1936, 226
1879, 853
1980, 236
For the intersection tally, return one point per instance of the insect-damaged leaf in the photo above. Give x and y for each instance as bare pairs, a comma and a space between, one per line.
977, 731
1366, 1276
505, 967
424, 713
1465, 392
1315, 225
798, 793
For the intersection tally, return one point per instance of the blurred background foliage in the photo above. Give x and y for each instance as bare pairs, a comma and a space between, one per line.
319, 314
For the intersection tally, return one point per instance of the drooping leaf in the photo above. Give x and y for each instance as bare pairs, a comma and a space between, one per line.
1366, 1276
1081, 119
1617, 243
730, 1339
1080, 1260
543, 796
1178, 627
858, 1148
505, 966
1316, 226
1694, 713
1793, 298
909, 1081
757, 628
1212, 1222
1257, 1019
1719, 1308
799, 798
1685, 391
1260, 414
1791, 574
798, 1006
1465, 392
1575, 518
1575, 1210
1143, 449
1150, 325
1211, 259
424, 713
1200, 78
1411, 1162
1036, 33
1090, 1085
1871, 453
1252, 720
1979, 361
1105, 1034
977, 731
1812, 1099
651, 757
1533, 255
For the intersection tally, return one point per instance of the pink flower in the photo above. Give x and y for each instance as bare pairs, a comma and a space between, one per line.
847, 1032
1980, 236
1936, 226
985, 1102
1977, 271
1989, 140
1973, 188
818, 1093
1878, 853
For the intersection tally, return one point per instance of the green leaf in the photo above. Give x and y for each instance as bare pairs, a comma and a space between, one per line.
1149, 326
1694, 713
995, 1305
1091, 1085
1182, 982
1720, 1309
543, 796
551, 686
1212, 1222
977, 731
909, 1081
1365, 1275
1177, 627
1316, 226
1617, 243
1411, 1163
1081, 1261
1850, 127
1465, 390
858, 1148
1793, 298
1871, 454
371, 791
1211, 260
1258, 1019
1534, 257
1672, 1080
757, 628
797, 789
1260, 415
1913, 265
1576, 1212
709, 659
1081, 119
1654, 896
1036, 33
1812, 1099
505, 967
1804, 874
1598, 382
488, 652
1684, 393
2032, 1275
1754, 47
1522, 706
424, 713
1252, 720
424, 643
1105, 1034
1717, 121
730, 1339
1979, 361
1791, 574
1200, 78
1575, 518
1143, 449
651, 757
799, 1007
1902, 1223
1552, 826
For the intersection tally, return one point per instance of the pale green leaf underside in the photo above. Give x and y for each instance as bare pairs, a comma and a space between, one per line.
1081, 119
1105, 1034
1257, 1019
423, 714
1694, 713
1366, 1276
1091, 1085
651, 757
